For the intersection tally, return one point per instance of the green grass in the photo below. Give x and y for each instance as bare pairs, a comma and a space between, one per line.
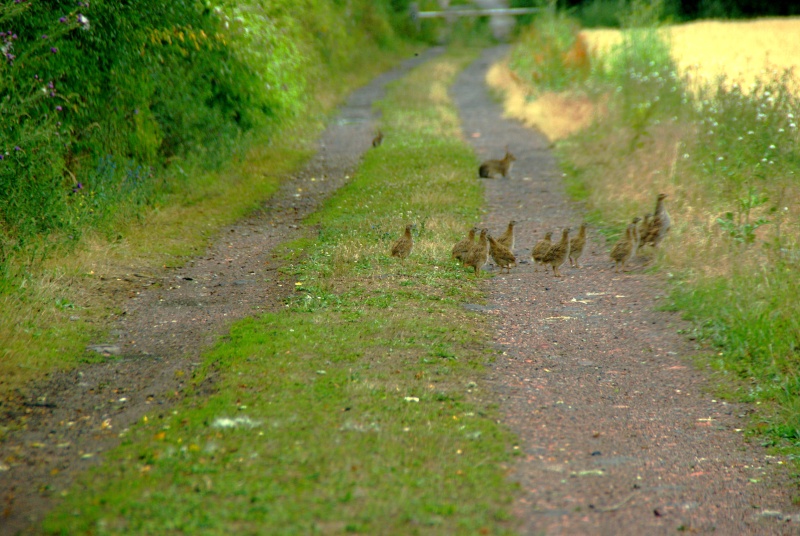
362, 406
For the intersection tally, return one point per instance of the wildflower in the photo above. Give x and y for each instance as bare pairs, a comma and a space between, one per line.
44, 36
2, 157
772, 146
54, 50
17, 148
63, 20
59, 108
685, 156
720, 158
83, 21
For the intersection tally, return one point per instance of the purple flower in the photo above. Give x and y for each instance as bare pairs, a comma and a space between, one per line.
59, 108
54, 50
63, 20
17, 148
44, 36
2, 157
51, 85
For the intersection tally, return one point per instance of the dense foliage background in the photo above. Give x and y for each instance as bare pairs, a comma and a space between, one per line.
96, 97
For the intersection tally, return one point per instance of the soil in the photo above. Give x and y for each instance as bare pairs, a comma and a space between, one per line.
618, 432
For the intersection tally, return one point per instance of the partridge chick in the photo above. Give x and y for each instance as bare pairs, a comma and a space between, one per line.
623, 249
576, 246
539, 250
642, 229
637, 236
501, 254
507, 238
558, 253
402, 248
463, 246
492, 169
660, 223
479, 253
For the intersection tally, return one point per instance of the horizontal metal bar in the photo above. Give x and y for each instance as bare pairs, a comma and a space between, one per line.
476, 12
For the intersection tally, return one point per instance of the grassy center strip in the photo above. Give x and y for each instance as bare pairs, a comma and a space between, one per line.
360, 407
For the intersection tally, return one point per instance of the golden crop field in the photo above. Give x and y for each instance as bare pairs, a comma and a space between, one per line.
740, 50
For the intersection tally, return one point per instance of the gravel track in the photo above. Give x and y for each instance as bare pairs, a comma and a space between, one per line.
619, 432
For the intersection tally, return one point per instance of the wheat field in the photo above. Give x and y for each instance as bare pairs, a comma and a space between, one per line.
740, 50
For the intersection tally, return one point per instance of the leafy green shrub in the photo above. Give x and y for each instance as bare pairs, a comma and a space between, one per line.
551, 54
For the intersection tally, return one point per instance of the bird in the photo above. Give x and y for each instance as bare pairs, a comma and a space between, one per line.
642, 229
576, 246
479, 253
623, 249
637, 235
491, 169
463, 246
660, 223
378, 139
558, 253
539, 250
501, 254
507, 238
402, 248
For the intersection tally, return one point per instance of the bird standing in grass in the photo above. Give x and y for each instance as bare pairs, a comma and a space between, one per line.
501, 254
558, 253
659, 225
576, 246
637, 235
623, 249
402, 248
462, 247
378, 139
479, 253
507, 238
540, 249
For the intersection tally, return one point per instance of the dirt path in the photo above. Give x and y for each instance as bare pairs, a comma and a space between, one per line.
167, 320
619, 433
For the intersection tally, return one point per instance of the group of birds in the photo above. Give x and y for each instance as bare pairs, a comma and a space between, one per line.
474, 254
642, 231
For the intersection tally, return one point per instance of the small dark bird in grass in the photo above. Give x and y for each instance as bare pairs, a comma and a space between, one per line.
462, 247
402, 248
378, 139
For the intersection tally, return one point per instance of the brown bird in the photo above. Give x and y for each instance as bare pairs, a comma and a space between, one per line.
507, 238
558, 253
623, 249
642, 229
501, 254
637, 236
463, 246
659, 225
479, 253
378, 139
539, 250
492, 169
402, 248
576, 246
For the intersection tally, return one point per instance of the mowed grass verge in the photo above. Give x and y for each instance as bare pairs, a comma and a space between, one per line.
359, 408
